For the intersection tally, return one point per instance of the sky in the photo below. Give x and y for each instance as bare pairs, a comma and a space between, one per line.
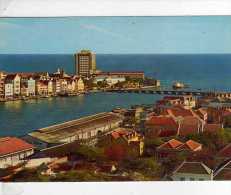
156, 35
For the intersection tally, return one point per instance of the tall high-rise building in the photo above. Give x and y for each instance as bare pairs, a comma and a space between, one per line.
85, 63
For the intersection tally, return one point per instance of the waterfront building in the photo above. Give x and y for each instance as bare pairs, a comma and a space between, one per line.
126, 74
2, 84
192, 171
111, 80
27, 84
84, 129
31, 86
184, 102
15, 79
42, 76
41, 88
14, 151
85, 63
49, 87
63, 85
79, 86
71, 85
8, 90
24, 90
56, 86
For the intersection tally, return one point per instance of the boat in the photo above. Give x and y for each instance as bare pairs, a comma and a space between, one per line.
178, 85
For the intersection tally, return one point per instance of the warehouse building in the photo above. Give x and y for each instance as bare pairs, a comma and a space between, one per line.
83, 129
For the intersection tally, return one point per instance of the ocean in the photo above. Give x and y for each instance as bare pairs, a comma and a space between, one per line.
204, 71
210, 72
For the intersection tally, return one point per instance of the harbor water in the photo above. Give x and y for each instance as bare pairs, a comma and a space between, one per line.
210, 72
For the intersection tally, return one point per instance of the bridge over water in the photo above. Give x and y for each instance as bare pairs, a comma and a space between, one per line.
192, 92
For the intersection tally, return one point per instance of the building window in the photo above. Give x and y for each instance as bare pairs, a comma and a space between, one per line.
182, 179
192, 179
201, 179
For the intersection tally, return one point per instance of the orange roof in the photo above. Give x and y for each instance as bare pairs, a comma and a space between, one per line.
118, 133
171, 144
192, 145
10, 145
179, 111
175, 144
162, 120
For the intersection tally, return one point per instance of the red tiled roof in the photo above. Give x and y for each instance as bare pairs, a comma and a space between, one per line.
179, 111
162, 120
171, 144
191, 145
118, 133
225, 152
190, 125
10, 76
175, 144
12, 144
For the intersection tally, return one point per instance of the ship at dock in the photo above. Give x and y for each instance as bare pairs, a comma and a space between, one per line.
179, 85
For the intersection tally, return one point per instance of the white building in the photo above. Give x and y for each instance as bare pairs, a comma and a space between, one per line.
111, 80
31, 86
192, 171
50, 87
79, 85
15, 79
9, 91
63, 86
14, 151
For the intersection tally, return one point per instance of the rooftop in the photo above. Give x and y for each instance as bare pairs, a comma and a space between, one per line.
10, 145
162, 120
194, 168
171, 144
177, 111
178, 145
55, 133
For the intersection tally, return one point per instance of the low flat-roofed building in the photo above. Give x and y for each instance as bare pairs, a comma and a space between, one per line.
13, 151
80, 129
128, 74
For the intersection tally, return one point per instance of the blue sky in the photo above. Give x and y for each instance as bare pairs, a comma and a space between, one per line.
206, 34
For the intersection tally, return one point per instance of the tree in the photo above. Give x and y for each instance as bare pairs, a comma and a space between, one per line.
90, 153
214, 141
115, 152
102, 84
151, 144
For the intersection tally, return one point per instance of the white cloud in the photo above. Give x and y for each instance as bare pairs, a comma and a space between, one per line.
105, 31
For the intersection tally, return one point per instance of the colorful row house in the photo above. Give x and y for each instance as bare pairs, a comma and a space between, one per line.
40, 84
